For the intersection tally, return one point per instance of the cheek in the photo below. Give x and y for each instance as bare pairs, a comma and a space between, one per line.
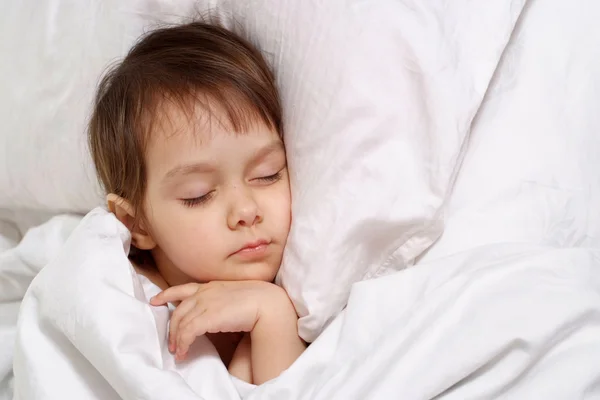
187, 238
278, 205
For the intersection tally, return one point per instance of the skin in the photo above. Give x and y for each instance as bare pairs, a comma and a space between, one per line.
217, 212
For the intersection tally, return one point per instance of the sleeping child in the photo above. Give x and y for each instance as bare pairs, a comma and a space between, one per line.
186, 138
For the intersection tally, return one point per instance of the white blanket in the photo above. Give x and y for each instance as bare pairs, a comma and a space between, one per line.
18, 266
514, 321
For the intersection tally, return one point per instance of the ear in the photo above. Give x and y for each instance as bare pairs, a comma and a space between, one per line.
125, 213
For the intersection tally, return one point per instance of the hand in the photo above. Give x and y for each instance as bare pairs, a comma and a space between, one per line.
215, 307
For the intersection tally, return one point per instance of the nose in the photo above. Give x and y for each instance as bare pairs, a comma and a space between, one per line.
244, 210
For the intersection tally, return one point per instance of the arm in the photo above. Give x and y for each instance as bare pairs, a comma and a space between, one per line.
260, 308
241, 363
275, 341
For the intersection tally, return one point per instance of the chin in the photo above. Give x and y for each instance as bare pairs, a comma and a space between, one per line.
262, 271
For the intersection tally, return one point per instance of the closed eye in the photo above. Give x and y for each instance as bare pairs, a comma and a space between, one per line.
270, 178
196, 201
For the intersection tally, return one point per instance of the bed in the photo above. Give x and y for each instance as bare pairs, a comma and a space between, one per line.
468, 267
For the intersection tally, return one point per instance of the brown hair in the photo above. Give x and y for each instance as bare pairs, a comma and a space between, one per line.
182, 64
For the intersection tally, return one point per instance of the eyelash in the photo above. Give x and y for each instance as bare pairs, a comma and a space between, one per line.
271, 178
196, 201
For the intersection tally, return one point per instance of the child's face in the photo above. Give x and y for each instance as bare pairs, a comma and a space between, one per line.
217, 203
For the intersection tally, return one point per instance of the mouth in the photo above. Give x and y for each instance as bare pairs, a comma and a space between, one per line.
254, 248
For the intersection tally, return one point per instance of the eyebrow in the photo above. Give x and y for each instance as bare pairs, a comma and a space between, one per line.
203, 167
276, 145
187, 169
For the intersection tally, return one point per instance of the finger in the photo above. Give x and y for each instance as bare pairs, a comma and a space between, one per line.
186, 335
190, 316
186, 307
175, 293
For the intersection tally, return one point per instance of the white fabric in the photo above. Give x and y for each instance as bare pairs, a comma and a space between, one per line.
375, 135
532, 170
18, 266
8, 316
87, 319
378, 99
518, 321
15, 223
16, 273
505, 305
47, 90
9, 235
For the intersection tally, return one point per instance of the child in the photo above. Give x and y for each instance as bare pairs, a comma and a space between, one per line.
186, 137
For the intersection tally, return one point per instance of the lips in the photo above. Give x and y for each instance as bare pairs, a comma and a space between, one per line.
257, 246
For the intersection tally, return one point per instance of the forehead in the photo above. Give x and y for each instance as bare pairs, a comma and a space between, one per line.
180, 135
203, 115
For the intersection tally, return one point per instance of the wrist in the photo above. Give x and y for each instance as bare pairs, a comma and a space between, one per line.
276, 308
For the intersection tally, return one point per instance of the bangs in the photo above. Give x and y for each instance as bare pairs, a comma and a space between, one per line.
201, 107
207, 73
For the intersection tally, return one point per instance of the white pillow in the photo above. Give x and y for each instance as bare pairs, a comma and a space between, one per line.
378, 99
58, 50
